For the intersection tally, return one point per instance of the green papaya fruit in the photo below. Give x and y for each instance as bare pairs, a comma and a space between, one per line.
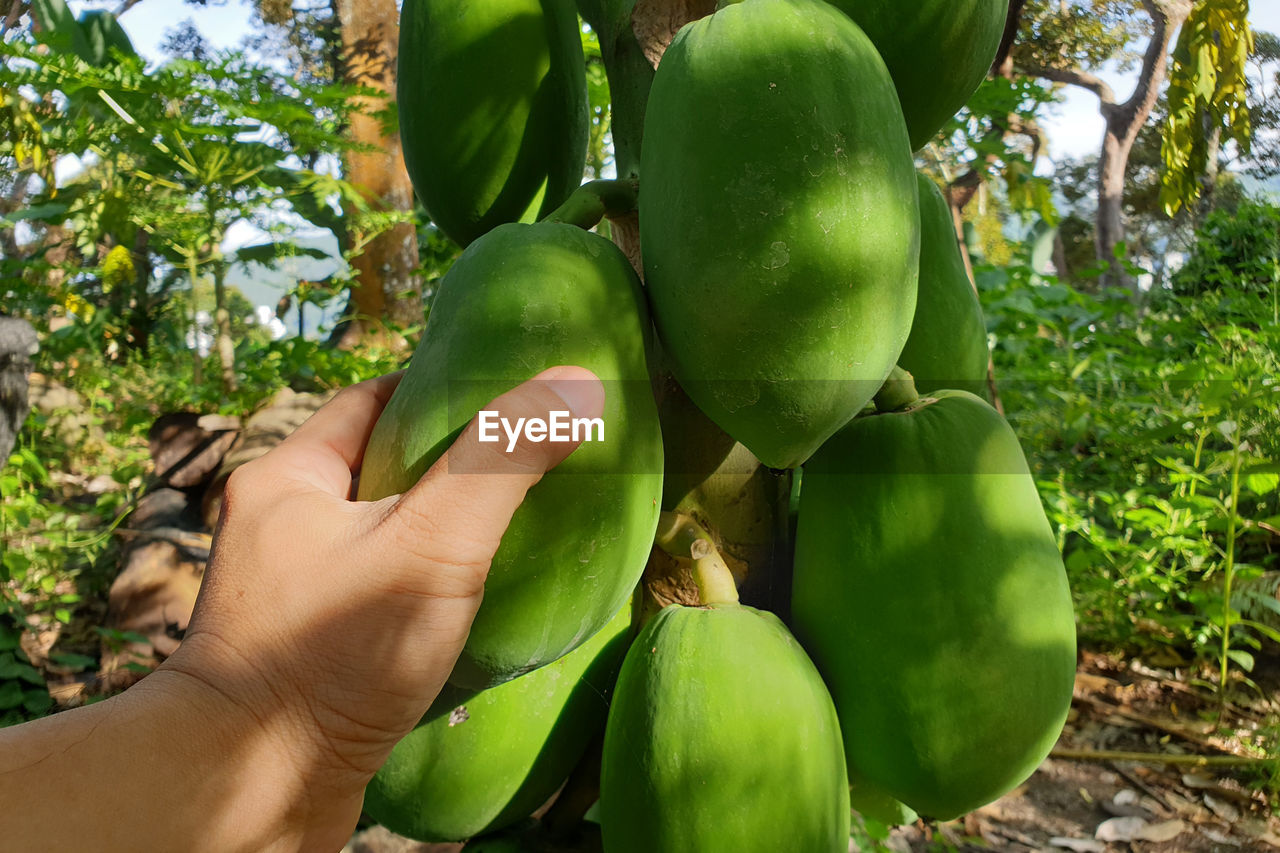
930, 592
519, 300
721, 737
493, 109
947, 347
479, 762
778, 221
938, 52
873, 803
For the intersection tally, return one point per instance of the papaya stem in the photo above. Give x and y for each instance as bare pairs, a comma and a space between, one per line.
597, 200
898, 391
682, 537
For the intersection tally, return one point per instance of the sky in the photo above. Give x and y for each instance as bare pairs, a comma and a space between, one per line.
225, 23
1074, 127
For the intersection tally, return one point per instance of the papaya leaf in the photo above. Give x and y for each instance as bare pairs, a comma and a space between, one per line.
59, 27
103, 34
265, 253
46, 212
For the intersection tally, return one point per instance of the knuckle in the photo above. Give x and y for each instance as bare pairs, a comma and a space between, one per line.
414, 528
441, 563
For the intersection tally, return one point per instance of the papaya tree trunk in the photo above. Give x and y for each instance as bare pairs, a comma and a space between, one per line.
386, 287
222, 328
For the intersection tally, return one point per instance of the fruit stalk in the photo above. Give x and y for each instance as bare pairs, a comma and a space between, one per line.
597, 200
682, 537
897, 393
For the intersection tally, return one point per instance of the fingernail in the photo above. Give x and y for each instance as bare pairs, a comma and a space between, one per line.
581, 391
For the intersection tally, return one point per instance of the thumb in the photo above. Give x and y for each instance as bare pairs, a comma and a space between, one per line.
464, 503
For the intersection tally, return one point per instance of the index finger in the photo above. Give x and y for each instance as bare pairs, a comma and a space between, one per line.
328, 449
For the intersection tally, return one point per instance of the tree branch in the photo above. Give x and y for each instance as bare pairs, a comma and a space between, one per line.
1166, 16
15, 12
125, 6
1002, 66
1075, 77
1031, 129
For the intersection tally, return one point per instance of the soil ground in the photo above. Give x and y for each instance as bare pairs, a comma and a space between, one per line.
1087, 797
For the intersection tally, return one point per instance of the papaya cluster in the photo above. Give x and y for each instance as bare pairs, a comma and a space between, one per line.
807, 569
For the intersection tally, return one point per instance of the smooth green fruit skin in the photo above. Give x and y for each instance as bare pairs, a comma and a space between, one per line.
493, 109
871, 802
721, 737
938, 52
522, 299
479, 762
778, 221
930, 592
947, 347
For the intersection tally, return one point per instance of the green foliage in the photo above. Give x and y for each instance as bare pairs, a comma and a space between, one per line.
1264, 105
1079, 33
978, 139
56, 547
1144, 429
23, 694
1208, 90
57, 554
172, 158
598, 104
1234, 249
95, 37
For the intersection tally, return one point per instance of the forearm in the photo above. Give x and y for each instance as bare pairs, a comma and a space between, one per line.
168, 765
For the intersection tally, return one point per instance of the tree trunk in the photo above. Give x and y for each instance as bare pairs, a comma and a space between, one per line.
18, 343
1108, 231
386, 287
197, 359
1059, 254
141, 320
1123, 121
222, 328
1209, 181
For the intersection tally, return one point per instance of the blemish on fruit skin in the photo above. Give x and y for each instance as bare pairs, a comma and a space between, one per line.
779, 256
458, 716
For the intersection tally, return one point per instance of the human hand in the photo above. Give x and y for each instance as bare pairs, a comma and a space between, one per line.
327, 626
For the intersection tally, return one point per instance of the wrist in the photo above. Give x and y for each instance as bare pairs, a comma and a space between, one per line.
190, 768
266, 784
